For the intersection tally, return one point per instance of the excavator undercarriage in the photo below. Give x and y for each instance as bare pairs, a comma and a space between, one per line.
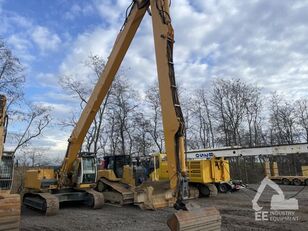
123, 183
49, 202
42, 191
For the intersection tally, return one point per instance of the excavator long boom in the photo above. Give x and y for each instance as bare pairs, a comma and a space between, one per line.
103, 85
171, 111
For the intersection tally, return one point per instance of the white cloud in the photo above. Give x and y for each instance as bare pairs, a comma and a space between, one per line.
47, 80
96, 42
262, 42
77, 10
110, 10
138, 63
53, 143
20, 45
45, 39
59, 142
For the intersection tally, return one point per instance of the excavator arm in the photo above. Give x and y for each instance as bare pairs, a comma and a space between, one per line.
173, 120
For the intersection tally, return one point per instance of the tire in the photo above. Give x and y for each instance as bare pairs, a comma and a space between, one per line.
306, 182
285, 181
297, 182
204, 190
213, 190
223, 187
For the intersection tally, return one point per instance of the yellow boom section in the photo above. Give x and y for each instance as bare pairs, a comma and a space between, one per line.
2, 123
118, 52
173, 122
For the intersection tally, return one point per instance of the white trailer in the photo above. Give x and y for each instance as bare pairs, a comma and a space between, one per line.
238, 151
245, 151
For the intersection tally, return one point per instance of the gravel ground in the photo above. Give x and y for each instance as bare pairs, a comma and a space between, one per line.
235, 208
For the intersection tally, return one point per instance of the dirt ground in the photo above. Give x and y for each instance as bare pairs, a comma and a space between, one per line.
235, 208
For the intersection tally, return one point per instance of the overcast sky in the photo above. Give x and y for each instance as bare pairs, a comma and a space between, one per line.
263, 42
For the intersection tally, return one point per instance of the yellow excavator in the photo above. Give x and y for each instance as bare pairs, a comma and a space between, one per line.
118, 181
9, 203
45, 192
45, 188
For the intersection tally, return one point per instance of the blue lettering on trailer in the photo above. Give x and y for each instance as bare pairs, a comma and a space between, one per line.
206, 155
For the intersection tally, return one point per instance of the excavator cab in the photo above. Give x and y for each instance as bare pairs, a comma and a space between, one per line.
116, 163
6, 170
123, 168
85, 170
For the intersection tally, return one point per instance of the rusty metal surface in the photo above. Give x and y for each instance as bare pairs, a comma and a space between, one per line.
98, 198
154, 195
196, 219
52, 203
120, 194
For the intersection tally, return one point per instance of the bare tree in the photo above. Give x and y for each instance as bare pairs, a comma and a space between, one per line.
82, 91
122, 108
301, 109
254, 118
282, 121
229, 98
11, 75
155, 118
143, 141
35, 120
203, 116
32, 157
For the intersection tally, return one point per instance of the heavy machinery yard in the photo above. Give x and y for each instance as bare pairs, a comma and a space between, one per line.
235, 208
134, 155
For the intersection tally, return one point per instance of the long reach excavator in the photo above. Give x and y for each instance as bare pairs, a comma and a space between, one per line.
78, 172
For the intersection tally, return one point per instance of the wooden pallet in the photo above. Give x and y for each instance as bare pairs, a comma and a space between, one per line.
9, 212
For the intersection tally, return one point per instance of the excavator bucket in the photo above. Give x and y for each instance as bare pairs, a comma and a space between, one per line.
196, 219
157, 194
154, 195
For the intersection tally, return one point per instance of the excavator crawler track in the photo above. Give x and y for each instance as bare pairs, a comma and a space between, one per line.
96, 199
45, 202
117, 193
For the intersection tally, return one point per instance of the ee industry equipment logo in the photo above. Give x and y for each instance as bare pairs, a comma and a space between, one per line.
281, 209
